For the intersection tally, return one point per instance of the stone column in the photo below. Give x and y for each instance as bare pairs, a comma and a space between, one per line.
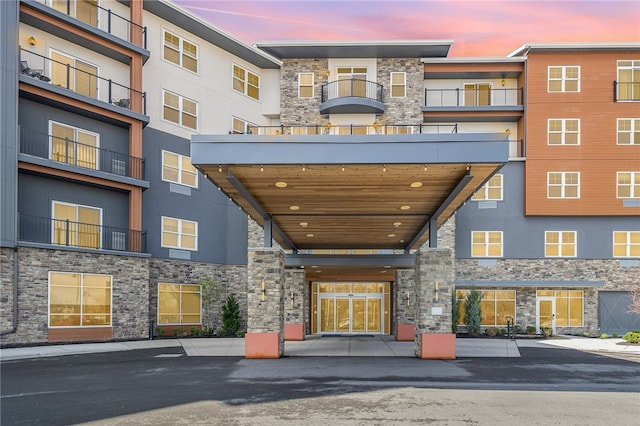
294, 304
265, 303
405, 305
434, 282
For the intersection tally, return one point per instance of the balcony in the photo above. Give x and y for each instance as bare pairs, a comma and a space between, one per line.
473, 104
82, 80
354, 129
83, 155
66, 233
625, 91
351, 96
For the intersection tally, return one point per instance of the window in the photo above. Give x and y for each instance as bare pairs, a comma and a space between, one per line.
495, 305
477, 94
179, 304
74, 74
628, 131
180, 51
246, 82
626, 243
564, 79
492, 190
179, 233
565, 131
563, 185
352, 81
180, 110
83, 10
486, 244
628, 184
560, 244
398, 84
628, 83
178, 169
76, 225
241, 126
568, 306
79, 300
305, 85
73, 145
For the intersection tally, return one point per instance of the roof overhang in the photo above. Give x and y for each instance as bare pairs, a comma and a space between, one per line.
357, 49
352, 191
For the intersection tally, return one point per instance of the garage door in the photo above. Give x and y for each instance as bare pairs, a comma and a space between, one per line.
612, 313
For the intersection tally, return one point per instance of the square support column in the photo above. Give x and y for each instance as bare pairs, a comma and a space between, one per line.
405, 305
294, 304
265, 303
434, 282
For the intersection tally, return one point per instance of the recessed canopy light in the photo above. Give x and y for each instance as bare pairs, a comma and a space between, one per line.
383, 272
294, 207
405, 207
310, 235
387, 266
281, 184
314, 266
416, 184
304, 224
391, 235
397, 224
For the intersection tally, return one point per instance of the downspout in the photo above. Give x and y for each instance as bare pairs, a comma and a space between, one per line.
15, 295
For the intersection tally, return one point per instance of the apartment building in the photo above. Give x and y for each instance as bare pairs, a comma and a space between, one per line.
334, 187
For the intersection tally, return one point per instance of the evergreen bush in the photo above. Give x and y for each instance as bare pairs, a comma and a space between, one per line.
230, 316
455, 312
472, 311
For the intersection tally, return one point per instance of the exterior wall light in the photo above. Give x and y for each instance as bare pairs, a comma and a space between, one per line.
262, 295
32, 41
437, 290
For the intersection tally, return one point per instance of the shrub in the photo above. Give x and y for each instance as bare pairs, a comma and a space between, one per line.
195, 331
178, 332
632, 336
455, 312
616, 335
604, 336
517, 329
230, 316
472, 311
546, 331
531, 330
502, 331
160, 331
207, 331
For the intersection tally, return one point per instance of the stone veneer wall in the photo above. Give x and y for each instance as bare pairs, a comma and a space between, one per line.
407, 110
404, 286
447, 234
130, 291
232, 277
6, 289
296, 299
295, 110
615, 277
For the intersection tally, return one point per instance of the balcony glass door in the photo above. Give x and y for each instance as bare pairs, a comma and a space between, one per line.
477, 94
74, 74
352, 81
84, 10
74, 146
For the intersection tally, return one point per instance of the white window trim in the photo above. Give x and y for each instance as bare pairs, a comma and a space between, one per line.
486, 245
560, 244
635, 65
177, 323
178, 233
75, 59
635, 128
635, 179
246, 123
563, 132
81, 301
246, 82
627, 245
564, 78
181, 52
563, 186
404, 84
484, 190
75, 141
180, 111
312, 85
180, 157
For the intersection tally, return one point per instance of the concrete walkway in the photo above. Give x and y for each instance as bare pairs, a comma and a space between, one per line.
331, 346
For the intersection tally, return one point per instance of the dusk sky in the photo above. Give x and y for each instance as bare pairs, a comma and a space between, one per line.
478, 28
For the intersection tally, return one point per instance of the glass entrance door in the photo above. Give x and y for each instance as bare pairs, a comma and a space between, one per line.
546, 317
352, 314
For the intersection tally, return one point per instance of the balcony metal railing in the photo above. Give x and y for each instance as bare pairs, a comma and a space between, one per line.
80, 81
517, 149
351, 87
76, 234
354, 129
68, 151
103, 19
472, 97
626, 91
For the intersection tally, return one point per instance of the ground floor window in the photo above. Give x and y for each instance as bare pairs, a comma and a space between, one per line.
179, 304
568, 306
79, 300
496, 306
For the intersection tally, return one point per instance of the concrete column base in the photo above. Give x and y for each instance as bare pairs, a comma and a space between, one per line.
406, 333
294, 332
437, 346
262, 345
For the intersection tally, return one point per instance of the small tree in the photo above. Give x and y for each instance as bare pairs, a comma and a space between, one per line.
472, 312
230, 316
455, 311
211, 293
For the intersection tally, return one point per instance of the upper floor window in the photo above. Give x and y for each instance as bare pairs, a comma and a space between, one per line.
179, 303
79, 300
179, 233
486, 244
76, 225
477, 94
178, 169
628, 83
73, 145
240, 126
352, 81
563, 131
74, 74
180, 51
628, 184
83, 10
305, 85
180, 110
628, 131
398, 84
626, 243
563, 185
560, 244
492, 190
564, 79
246, 82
